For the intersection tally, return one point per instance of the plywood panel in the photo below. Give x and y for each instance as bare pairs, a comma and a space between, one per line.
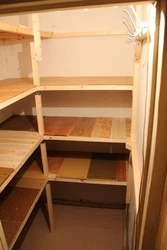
83, 127
121, 167
10, 228
128, 127
21, 123
102, 127
4, 174
122, 128
75, 166
59, 125
16, 199
103, 166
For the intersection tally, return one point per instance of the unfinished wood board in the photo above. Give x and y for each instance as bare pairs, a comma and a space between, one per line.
103, 166
121, 167
12, 90
11, 160
83, 127
59, 125
5, 173
10, 229
75, 167
20, 122
102, 127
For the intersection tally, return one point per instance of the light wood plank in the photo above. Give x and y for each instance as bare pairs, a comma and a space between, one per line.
114, 129
122, 128
50, 206
4, 174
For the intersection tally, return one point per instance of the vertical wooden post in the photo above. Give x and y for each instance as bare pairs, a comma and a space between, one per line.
44, 158
50, 206
129, 183
38, 102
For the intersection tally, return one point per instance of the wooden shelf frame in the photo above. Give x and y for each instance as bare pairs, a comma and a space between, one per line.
15, 148
26, 187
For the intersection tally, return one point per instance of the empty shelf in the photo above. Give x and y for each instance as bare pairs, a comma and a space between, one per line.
12, 90
106, 169
15, 149
87, 129
18, 200
87, 83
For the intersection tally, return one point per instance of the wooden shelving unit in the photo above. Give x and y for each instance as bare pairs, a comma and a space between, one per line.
21, 135
105, 169
19, 198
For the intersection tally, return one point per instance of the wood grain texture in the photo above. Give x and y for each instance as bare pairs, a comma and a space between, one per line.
21, 123
15, 203
4, 174
102, 127
75, 166
59, 125
83, 127
10, 229
121, 167
103, 166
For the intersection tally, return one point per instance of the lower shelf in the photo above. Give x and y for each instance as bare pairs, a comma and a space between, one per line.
18, 200
106, 169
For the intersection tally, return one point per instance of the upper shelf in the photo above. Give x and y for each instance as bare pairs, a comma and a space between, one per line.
87, 83
12, 90
11, 31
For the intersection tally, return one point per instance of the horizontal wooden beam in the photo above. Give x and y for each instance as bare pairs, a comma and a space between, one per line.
17, 6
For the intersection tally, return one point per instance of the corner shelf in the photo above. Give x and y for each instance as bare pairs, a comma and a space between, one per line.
13, 90
19, 198
15, 148
105, 169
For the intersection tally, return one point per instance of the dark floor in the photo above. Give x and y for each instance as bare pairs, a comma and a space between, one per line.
76, 228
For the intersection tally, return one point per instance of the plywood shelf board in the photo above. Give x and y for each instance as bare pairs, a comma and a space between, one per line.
89, 168
12, 90
11, 160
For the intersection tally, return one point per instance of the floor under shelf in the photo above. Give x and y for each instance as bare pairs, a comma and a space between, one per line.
77, 228
100, 129
19, 198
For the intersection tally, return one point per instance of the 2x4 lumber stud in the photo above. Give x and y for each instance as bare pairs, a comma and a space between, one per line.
50, 206
44, 158
38, 102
